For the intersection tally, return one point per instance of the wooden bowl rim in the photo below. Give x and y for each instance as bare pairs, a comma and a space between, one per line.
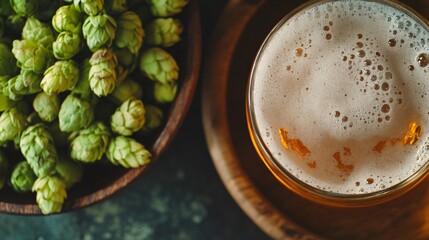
177, 113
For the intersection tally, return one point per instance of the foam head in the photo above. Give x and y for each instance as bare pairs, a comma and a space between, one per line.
335, 92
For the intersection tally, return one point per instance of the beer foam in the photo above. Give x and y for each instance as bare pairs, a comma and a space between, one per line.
346, 78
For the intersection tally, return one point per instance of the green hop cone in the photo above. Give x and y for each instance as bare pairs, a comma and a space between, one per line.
4, 165
129, 33
89, 144
7, 61
67, 45
166, 8
51, 193
38, 32
164, 93
153, 118
31, 56
99, 31
5, 102
90, 7
12, 123
128, 89
24, 7
129, 117
60, 77
47, 106
163, 32
23, 177
159, 65
67, 19
102, 74
127, 152
71, 172
26, 83
115, 6
75, 113
38, 148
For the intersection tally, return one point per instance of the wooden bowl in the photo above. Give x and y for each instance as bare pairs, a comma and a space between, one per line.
276, 210
102, 180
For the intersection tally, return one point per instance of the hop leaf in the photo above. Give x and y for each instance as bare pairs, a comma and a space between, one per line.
164, 93
38, 32
23, 177
70, 172
130, 32
166, 8
31, 56
7, 61
163, 32
159, 65
47, 106
127, 152
129, 117
24, 7
68, 19
89, 144
90, 7
37, 146
99, 31
67, 45
51, 193
60, 77
75, 113
12, 123
102, 74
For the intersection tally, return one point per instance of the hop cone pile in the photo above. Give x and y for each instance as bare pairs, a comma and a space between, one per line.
82, 82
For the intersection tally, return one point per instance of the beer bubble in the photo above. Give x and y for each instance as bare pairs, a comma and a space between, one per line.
387, 118
337, 114
423, 60
367, 62
328, 36
359, 44
411, 68
345, 119
361, 53
370, 180
385, 86
373, 78
380, 67
388, 75
360, 36
385, 108
326, 28
392, 42
376, 86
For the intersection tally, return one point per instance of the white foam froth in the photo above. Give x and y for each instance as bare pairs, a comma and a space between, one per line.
343, 77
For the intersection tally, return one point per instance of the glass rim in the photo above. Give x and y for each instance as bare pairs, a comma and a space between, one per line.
288, 179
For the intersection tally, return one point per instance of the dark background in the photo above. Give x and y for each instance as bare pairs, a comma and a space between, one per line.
180, 197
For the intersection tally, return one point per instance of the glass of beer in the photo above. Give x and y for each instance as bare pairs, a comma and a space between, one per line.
337, 101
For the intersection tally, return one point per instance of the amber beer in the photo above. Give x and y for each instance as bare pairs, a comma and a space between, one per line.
337, 101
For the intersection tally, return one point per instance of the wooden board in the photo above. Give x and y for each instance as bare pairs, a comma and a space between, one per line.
280, 213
